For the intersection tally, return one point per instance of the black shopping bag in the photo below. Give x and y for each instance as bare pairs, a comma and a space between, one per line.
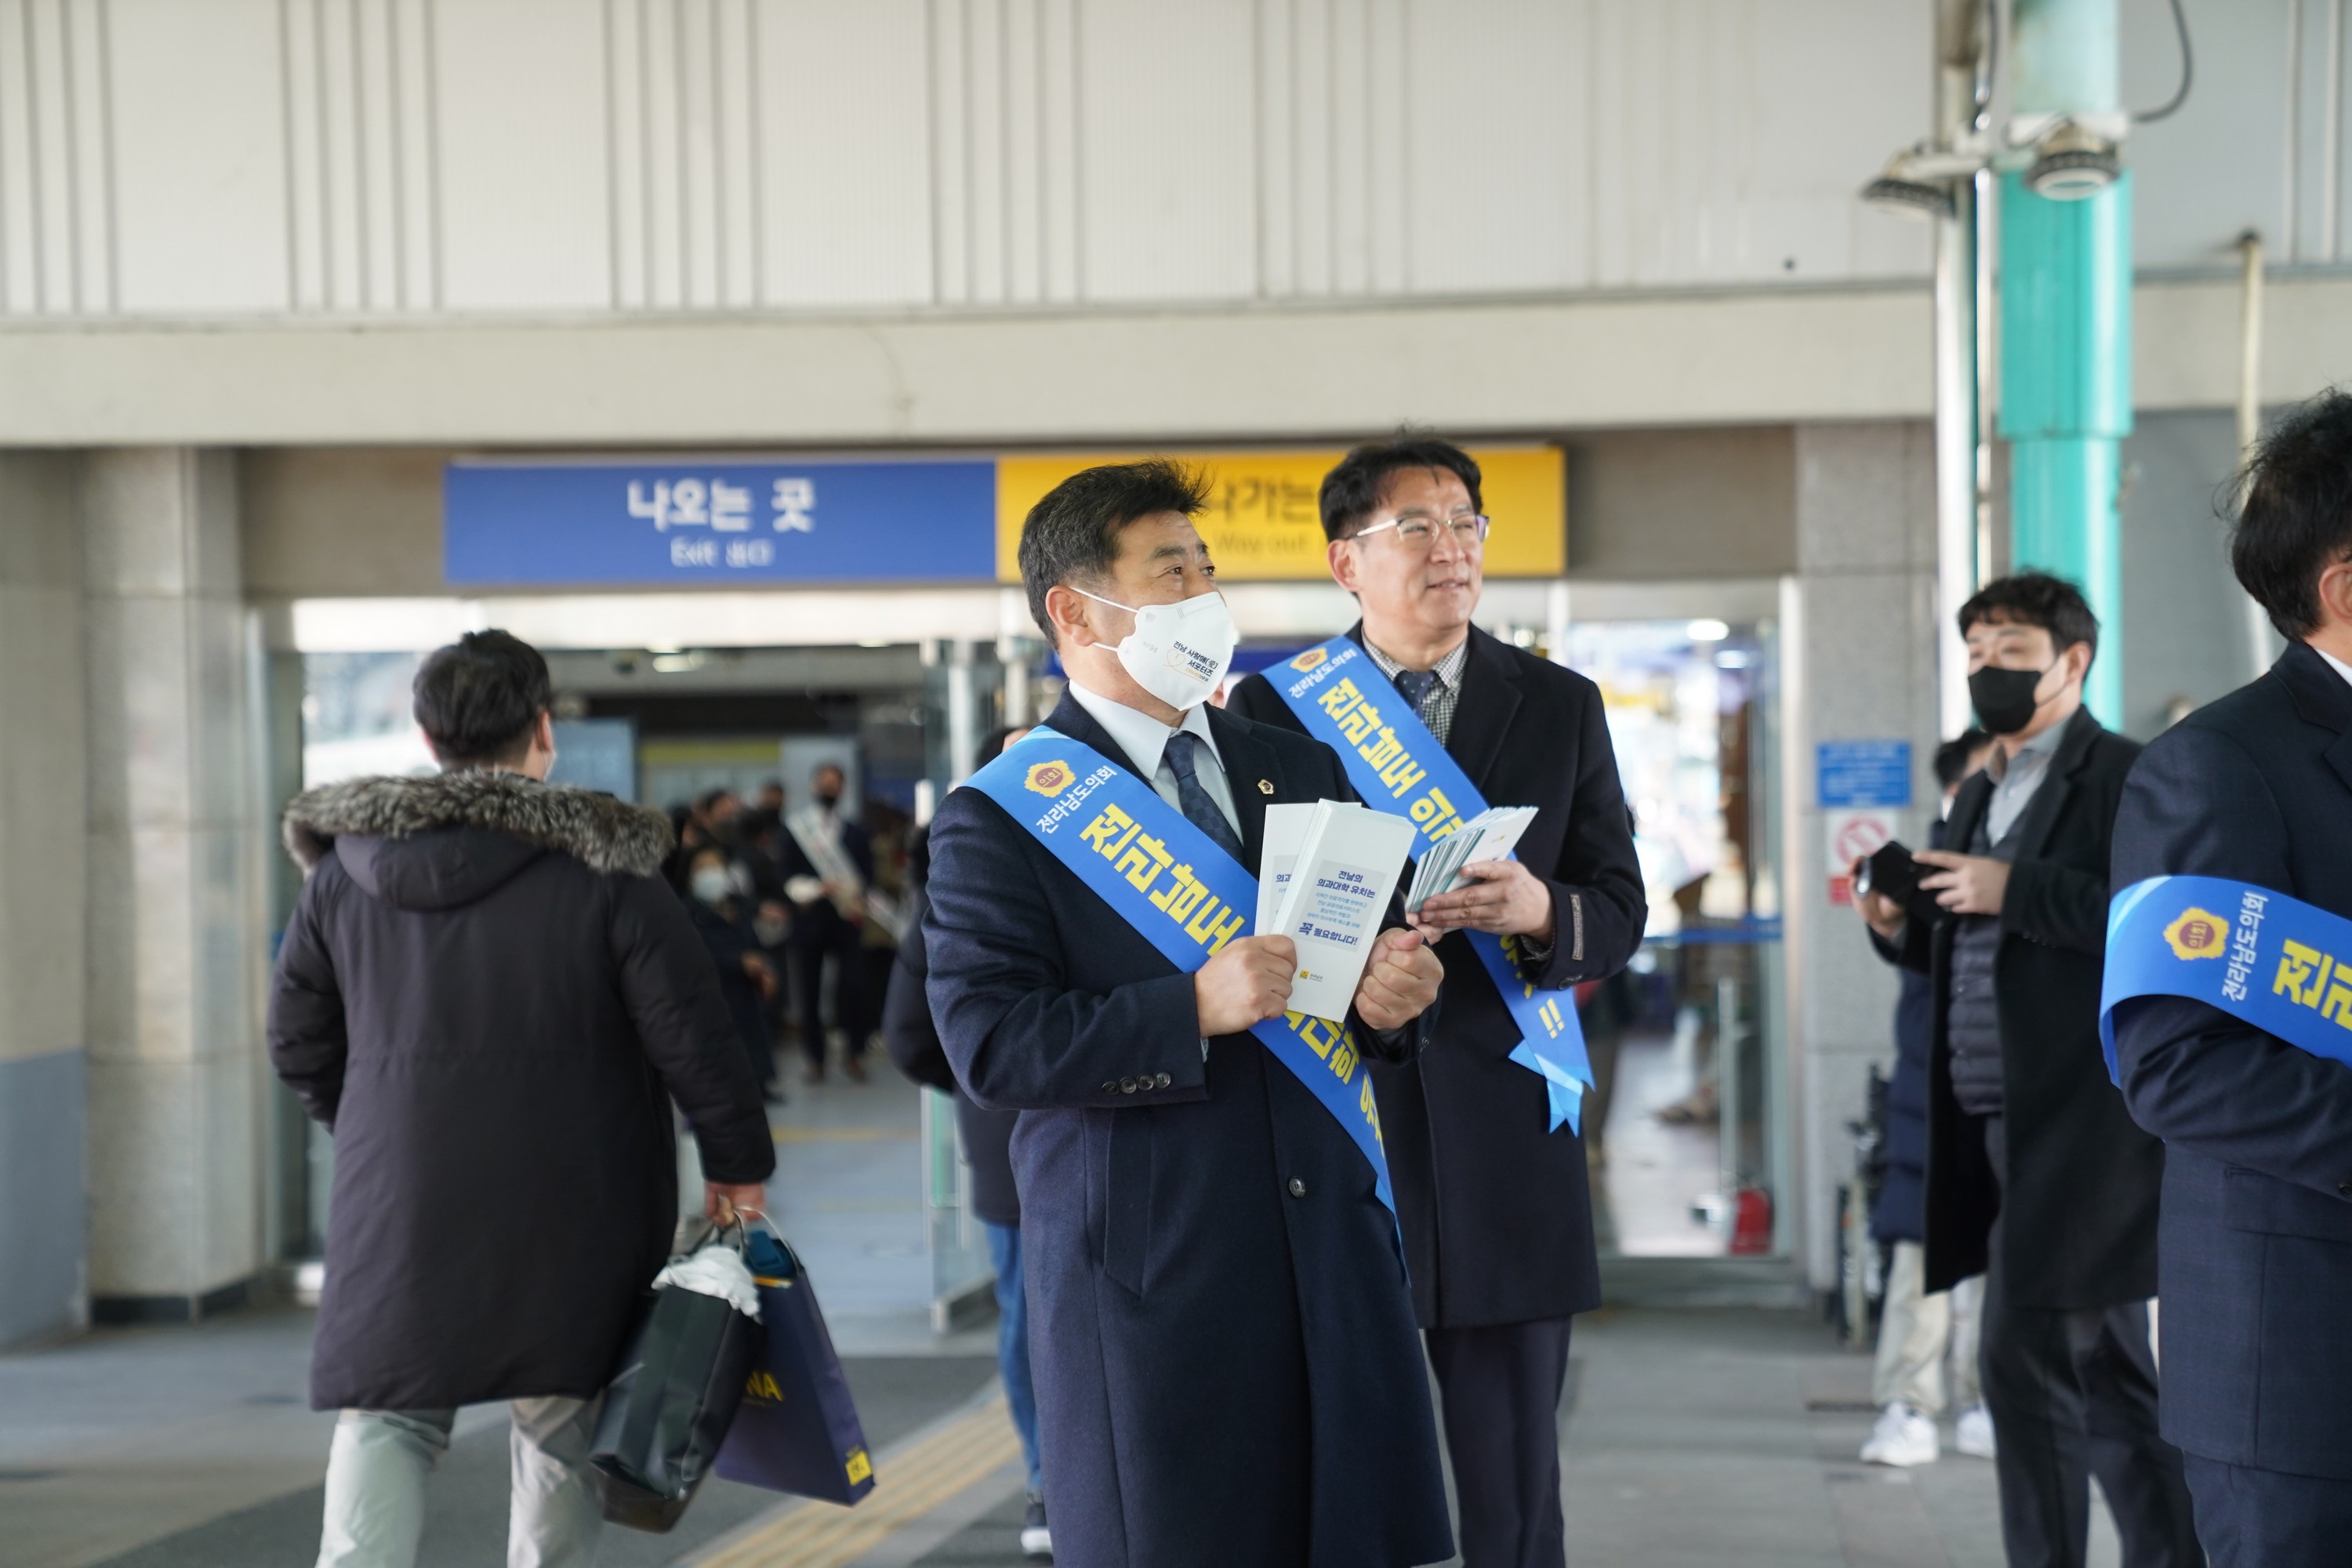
667, 1409
797, 1430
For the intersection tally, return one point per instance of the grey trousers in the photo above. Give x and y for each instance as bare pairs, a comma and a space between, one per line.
376, 1486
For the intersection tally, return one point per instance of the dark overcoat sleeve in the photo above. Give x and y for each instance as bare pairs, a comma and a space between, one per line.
309, 1042
908, 1033
670, 987
2058, 906
1023, 1032
1598, 906
2196, 804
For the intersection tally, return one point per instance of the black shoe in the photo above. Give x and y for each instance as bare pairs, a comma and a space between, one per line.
1036, 1541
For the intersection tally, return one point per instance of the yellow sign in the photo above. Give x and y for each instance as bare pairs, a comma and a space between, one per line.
1262, 523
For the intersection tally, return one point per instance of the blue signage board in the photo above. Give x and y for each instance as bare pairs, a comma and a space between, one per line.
704, 522
1862, 773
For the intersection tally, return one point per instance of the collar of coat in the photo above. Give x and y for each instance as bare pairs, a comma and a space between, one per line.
609, 834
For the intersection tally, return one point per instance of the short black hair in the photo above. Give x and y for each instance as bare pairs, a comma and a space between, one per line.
992, 745
1073, 532
1952, 756
1354, 491
2296, 520
478, 698
2036, 599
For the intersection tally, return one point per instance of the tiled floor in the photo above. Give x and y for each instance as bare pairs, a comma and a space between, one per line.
1695, 1437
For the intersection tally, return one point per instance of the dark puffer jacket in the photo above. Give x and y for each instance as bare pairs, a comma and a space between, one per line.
490, 997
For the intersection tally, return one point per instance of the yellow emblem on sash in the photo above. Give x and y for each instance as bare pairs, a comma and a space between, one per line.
1309, 659
1051, 778
2197, 933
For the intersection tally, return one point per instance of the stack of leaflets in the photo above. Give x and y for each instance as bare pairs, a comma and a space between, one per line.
1326, 874
1489, 835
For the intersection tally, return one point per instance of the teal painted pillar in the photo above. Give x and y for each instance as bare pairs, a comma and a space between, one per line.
2065, 337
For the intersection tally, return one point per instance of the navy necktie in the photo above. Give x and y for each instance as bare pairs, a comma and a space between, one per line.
1416, 685
1197, 804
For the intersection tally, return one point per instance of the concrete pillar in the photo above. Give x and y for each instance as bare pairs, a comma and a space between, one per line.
1865, 656
43, 787
178, 1175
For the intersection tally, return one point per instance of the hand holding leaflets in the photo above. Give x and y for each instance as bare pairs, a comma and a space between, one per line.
1467, 880
1327, 871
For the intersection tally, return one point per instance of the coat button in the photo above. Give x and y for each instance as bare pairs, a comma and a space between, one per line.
1126, 1086
1297, 1188
1111, 1088
2345, 1188
1163, 1081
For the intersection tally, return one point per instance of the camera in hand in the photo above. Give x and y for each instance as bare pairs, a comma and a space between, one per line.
1892, 873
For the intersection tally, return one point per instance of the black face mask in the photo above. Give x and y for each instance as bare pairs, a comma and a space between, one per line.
2005, 698
828, 801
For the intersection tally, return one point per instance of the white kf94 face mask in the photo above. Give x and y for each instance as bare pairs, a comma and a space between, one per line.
1177, 652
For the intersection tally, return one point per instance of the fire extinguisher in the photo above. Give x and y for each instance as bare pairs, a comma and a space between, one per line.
1751, 1223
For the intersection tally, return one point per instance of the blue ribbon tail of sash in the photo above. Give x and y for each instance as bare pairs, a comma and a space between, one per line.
1565, 1089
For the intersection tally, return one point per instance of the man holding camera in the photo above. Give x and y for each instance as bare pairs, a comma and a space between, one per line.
2036, 1176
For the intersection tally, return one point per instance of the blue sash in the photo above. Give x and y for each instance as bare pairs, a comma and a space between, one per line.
1397, 765
2262, 957
1186, 896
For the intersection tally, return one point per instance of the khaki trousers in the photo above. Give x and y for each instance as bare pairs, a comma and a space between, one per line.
376, 1486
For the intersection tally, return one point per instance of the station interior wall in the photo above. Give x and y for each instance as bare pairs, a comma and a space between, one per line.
137, 859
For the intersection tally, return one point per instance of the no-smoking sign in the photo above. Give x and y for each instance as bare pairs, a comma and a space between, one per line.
1852, 836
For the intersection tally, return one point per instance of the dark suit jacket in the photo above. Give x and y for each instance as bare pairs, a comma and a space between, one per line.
913, 1042
2257, 1228
1496, 1208
818, 921
2078, 1201
1225, 1353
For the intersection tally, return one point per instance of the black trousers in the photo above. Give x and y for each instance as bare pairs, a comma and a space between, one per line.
829, 936
2269, 1519
2072, 1394
1500, 1388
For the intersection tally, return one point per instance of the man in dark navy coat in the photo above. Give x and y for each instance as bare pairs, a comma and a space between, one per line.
1496, 1207
2256, 1234
1223, 1345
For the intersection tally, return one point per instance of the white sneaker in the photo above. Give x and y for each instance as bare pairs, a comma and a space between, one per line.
1902, 1437
1036, 1539
1972, 1433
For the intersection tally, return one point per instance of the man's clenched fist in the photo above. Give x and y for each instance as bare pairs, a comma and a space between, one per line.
1246, 982
1401, 980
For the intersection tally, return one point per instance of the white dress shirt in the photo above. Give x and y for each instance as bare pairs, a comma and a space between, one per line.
1145, 740
2340, 668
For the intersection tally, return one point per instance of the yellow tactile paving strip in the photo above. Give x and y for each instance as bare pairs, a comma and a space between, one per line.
910, 1481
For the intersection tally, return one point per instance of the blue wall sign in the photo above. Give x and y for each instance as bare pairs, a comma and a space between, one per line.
1862, 773
704, 522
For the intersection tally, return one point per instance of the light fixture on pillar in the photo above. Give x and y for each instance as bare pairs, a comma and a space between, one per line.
2070, 164
1913, 184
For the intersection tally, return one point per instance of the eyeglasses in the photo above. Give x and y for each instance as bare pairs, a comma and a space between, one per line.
1419, 534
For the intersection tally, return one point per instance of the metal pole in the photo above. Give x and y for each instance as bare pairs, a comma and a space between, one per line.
2065, 306
963, 734
1957, 50
2261, 642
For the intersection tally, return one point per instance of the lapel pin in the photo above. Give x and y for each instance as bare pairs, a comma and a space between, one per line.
1265, 786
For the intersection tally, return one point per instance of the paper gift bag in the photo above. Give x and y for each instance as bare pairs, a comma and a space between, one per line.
796, 1430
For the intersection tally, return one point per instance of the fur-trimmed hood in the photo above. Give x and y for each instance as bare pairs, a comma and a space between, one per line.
608, 835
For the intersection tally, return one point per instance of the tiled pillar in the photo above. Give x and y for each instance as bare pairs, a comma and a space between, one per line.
177, 833
43, 786
1866, 581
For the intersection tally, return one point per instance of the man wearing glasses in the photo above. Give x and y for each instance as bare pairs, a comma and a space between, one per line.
1494, 1203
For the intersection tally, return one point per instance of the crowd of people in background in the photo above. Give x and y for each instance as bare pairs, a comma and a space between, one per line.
803, 913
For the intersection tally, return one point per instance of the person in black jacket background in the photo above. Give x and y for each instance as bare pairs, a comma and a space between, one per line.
1920, 1331
2256, 1235
987, 1138
490, 998
2036, 1176
1495, 1205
